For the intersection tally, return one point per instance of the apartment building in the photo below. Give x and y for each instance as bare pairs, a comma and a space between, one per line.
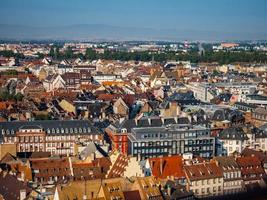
232, 139
170, 140
232, 179
57, 137
204, 179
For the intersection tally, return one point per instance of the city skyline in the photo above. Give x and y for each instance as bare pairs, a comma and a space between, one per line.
154, 20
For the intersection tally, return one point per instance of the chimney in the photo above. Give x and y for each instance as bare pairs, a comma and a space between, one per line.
93, 156
149, 121
22, 176
169, 189
190, 118
22, 194
136, 120
161, 165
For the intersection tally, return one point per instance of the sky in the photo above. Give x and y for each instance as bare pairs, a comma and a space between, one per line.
248, 16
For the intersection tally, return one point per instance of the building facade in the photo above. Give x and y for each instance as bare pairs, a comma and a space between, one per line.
233, 182
231, 140
170, 140
204, 179
57, 137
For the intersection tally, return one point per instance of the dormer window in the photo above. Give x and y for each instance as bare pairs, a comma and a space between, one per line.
66, 130
48, 130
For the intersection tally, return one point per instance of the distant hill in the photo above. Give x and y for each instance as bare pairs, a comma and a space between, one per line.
93, 32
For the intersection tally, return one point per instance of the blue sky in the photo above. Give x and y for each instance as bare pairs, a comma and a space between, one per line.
213, 15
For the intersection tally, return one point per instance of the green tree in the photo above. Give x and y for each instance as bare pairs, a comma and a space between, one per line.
91, 54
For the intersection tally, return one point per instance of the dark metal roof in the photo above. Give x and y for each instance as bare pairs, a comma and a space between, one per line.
82, 126
233, 133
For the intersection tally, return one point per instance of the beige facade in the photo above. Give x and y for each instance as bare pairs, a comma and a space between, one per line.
206, 187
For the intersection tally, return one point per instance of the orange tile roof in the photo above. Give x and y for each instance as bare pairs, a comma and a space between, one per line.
108, 97
167, 166
250, 167
3, 106
202, 171
119, 166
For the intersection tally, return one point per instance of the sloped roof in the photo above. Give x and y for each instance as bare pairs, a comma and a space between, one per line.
233, 133
80, 125
202, 171
130, 195
227, 162
10, 187
167, 166
250, 165
118, 168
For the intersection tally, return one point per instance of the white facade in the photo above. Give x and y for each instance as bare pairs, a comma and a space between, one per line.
231, 146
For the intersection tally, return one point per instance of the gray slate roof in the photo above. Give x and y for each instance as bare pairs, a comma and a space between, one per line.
72, 127
233, 133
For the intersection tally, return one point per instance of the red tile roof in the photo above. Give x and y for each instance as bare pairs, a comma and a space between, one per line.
118, 168
202, 171
167, 166
251, 168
